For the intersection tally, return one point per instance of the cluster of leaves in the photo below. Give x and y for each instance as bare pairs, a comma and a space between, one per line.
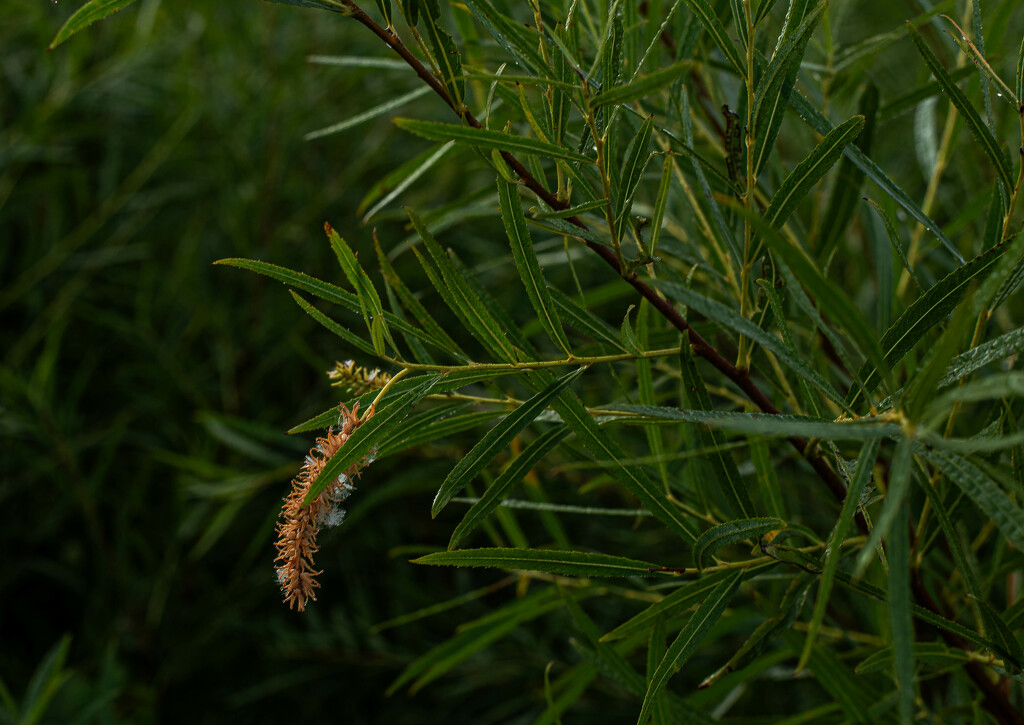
828, 525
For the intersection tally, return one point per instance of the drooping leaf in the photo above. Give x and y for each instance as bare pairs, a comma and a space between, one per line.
967, 112
808, 172
776, 84
729, 533
487, 139
565, 563
707, 614
504, 483
861, 476
496, 439
87, 15
527, 265
926, 312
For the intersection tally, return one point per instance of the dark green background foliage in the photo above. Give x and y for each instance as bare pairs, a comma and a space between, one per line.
144, 392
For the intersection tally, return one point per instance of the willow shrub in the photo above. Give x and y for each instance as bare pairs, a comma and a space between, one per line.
743, 411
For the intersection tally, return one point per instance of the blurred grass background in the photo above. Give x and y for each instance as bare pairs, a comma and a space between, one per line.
144, 393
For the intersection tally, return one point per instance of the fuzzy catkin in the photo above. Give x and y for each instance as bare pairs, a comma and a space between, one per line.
298, 528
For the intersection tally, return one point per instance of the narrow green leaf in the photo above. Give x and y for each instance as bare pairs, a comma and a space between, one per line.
976, 358
87, 15
485, 138
395, 183
771, 492
729, 533
497, 439
526, 263
1020, 70
709, 612
435, 424
369, 301
763, 8
927, 653
776, 85
846, 193
633, 165
833, 553
900, 621
808, 172
899, 488
47, 679
732, 320
344, 333
642, 86
445, 52
415, 307
963, 105
369, 115
565, 563
460, 297
703, 10
676, 603
1005, 513
723, 465
926, 312
617, 461
720, 229
384, 422
509, 478
894, 239
818, 121
584, 321
519, 42
978, 56
660, 203
584, 208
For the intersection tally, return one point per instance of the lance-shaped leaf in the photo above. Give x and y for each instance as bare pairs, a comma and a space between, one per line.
926, 311
618, 463
899, 488
87, 15
565, 563
703, 10
729, 533
1005, 513
496, 439
387, 418
642, 86
520, 43
817, 120
460, 297
527, 265
487, 139
504, 483
730, 319
861, 476
369, 301
722, 463
707, 614
970, 116
808, 172
827, 295
676, 603
776, 85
